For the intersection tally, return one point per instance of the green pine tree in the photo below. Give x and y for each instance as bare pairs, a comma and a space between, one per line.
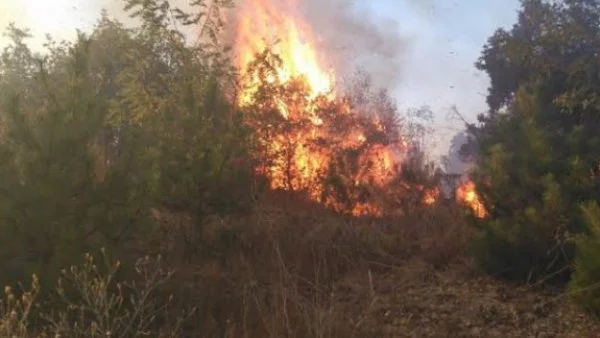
538, 143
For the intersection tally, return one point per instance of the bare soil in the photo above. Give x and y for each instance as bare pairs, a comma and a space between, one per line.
417, 300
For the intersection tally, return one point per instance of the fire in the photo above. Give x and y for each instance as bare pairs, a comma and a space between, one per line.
309, 137
262, 25
466, 193
431, 196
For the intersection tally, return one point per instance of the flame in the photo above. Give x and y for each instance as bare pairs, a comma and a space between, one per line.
302, 146
431, 196
261, 26
466, 193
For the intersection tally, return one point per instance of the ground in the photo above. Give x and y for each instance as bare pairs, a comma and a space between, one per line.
417, 300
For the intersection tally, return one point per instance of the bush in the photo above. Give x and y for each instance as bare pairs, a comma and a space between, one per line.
92, 137
91, 301
537, 148
584, 286
526, 189
15, 311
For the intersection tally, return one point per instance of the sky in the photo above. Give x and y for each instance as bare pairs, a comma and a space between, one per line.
445, 39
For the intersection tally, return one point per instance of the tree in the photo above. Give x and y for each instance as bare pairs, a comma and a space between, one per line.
583, 287
539, 141
174, 97
99, 132
55, 203
341, 151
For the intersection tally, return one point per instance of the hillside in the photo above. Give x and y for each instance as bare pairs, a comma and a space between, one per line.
237, 184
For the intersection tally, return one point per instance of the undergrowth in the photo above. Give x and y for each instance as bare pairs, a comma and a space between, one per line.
275, 273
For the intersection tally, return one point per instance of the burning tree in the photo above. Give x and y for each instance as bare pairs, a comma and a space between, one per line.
341, 148
466, 193
317, 143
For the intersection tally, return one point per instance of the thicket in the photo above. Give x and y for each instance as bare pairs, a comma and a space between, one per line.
537, 149
131, 139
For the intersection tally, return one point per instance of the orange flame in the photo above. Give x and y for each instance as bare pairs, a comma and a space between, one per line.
466, 194
297, 158
431, 196
261, 26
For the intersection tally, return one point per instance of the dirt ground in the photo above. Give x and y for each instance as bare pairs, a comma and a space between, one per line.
416, 300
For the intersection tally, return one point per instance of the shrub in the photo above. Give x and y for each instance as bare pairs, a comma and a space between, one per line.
527, 189
584, 286
91, 301
15, 311
537, 148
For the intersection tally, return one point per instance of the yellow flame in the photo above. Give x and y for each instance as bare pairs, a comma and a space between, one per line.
466, 193
293, 163
431, 196
262, 26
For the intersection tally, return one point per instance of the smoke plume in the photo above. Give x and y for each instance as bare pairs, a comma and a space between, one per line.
349, 37
356, 38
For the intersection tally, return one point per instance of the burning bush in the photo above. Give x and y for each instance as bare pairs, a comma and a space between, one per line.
342, 149
318, 144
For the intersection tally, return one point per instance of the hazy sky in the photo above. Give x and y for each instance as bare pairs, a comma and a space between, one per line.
445, 38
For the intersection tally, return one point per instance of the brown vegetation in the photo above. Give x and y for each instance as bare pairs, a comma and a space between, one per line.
299, 270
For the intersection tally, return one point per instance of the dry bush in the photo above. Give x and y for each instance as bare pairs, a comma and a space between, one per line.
271, 274
442, 234
289, 269
15, 310
90, 301
280, 271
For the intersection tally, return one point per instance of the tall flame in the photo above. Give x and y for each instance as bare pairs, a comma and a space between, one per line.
304, 146
261, 25
466, 193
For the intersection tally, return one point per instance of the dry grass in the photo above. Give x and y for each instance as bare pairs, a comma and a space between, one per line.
417, 300
89, 301
276, 272
292, 270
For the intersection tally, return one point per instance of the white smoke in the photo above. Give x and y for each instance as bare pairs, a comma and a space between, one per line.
354, 37
348, 37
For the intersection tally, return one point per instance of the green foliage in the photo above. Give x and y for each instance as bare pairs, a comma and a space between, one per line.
584, 286
55, 200
522, 239
98, 132
538, 146
198, 149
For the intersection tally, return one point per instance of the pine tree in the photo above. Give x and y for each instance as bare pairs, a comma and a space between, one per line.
539, 141
58, 198
584, 287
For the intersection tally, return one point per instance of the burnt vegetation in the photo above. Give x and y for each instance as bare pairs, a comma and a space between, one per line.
144, 192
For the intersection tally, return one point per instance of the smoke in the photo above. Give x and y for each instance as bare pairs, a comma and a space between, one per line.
354, 37
348, 33
349, 36
455, 162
